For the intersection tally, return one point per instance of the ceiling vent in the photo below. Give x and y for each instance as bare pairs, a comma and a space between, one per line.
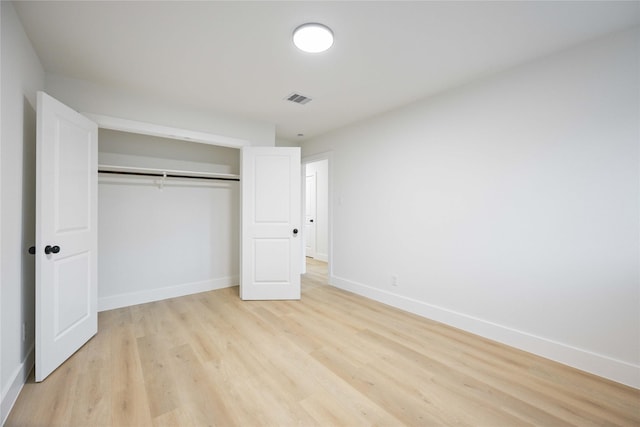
298, 99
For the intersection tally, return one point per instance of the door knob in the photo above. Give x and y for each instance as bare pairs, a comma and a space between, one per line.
310, 220
51, 249
32, 250
295, 231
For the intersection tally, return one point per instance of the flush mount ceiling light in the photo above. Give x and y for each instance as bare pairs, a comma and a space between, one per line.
313, 37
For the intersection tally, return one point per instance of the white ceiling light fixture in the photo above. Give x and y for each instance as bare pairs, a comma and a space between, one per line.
313, 37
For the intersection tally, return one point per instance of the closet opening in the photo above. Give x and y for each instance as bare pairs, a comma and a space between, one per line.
168, 218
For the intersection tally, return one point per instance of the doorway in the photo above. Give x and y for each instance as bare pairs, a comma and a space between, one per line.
316, 210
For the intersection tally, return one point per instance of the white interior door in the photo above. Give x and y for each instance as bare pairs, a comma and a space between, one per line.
271, 239
66, 233
310, 215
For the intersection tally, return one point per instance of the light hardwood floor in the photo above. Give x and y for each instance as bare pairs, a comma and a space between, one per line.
332, 358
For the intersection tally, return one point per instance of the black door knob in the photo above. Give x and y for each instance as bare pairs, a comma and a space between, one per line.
295, 231
51, 249
310, 220
32, 250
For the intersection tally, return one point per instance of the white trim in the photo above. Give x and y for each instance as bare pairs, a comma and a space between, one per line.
3, 414
598, 364
17, 380
142, 297
133, 126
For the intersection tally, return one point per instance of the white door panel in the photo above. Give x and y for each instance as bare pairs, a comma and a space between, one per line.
66, 222
271, 238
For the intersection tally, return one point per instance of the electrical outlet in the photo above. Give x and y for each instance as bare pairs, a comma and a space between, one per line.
394, 280
24, 332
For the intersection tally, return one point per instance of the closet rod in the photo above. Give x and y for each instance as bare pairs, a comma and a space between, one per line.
169, 175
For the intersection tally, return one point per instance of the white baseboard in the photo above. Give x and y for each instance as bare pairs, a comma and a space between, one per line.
141, 297
597, 364
321, 257
14, 385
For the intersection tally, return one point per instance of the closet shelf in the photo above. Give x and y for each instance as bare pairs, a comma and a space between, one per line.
166, 173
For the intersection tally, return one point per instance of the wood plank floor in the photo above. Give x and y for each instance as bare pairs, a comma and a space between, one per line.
332, 358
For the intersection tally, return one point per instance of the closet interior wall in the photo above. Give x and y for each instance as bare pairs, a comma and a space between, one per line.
160, 238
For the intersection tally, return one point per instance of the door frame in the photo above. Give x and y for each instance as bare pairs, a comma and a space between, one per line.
145, 128
327, 155
315, 215
181, 134
169, 132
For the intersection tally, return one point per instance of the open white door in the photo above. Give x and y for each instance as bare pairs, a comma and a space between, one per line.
271, 237
66, 233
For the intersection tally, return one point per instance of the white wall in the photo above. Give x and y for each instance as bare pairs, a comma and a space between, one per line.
157, 243
321, 170
22, 76
87, 97
286, 143
508, 207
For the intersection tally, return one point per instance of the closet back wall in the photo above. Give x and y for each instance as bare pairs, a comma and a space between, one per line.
159, 241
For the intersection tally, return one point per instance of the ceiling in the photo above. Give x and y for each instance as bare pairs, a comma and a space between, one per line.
238, 57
